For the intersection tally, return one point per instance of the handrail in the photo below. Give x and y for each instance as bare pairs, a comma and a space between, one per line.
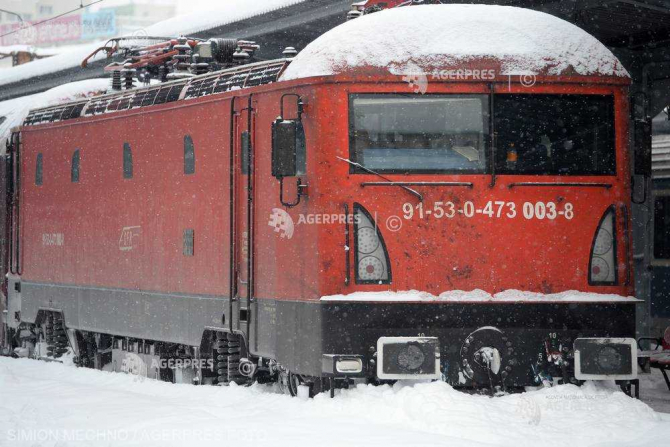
231, 216
250, 217
466, 184
624, 211
566, 184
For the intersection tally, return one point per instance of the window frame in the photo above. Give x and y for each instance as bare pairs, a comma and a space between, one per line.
487, 139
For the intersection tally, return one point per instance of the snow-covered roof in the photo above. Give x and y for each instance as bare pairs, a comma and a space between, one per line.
30, 49
14, 111
227, 12
507, 39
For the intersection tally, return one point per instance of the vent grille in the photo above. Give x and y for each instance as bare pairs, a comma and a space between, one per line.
198, 86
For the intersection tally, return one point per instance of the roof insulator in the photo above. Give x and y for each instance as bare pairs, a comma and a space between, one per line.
241, 56
290, 52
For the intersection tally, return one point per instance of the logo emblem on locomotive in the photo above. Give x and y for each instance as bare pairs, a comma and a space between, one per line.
129, 238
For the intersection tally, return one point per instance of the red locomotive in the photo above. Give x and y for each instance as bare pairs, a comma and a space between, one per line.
265, 221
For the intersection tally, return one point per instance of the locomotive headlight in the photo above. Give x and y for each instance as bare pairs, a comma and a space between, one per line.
370, 268
600, 269
603, 242
372, 265
367, 240
349, 365
609, 359
408, 358
602, 263
605, 358
338, 365
411, 357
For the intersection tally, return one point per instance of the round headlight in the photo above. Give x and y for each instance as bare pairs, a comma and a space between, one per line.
666, 336
411, 358
609, 359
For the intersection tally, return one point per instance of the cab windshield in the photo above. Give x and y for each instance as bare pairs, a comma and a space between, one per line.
554, 134
534, 134
407, 133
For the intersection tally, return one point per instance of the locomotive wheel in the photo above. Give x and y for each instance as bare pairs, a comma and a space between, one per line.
290, 382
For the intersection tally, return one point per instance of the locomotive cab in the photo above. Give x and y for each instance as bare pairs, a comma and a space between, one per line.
502, 195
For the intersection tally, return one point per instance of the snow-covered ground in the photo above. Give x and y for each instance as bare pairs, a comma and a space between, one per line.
654, 392
51, 404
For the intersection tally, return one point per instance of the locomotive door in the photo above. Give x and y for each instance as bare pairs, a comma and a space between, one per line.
243, 179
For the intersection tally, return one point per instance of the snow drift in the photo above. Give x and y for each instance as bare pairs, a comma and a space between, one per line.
59, 405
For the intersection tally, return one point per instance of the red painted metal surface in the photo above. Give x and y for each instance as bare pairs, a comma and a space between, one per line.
128, 233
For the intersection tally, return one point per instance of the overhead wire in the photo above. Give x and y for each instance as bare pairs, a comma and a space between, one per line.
33, 25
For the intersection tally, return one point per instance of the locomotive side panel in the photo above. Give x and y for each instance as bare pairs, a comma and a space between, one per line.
136, 246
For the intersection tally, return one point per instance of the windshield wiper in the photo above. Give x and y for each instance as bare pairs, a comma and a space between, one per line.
388, 180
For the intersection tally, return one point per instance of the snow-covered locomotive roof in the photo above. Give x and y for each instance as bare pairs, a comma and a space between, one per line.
436, 37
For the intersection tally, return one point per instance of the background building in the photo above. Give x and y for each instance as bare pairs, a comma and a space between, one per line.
67, 24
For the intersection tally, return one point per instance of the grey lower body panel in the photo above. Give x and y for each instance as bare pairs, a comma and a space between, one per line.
287, 331
298, 334
157, 316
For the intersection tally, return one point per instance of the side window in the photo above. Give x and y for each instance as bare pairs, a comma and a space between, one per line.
127, 161
662, 227
189, 155
38, 170
189, 242
74, 173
